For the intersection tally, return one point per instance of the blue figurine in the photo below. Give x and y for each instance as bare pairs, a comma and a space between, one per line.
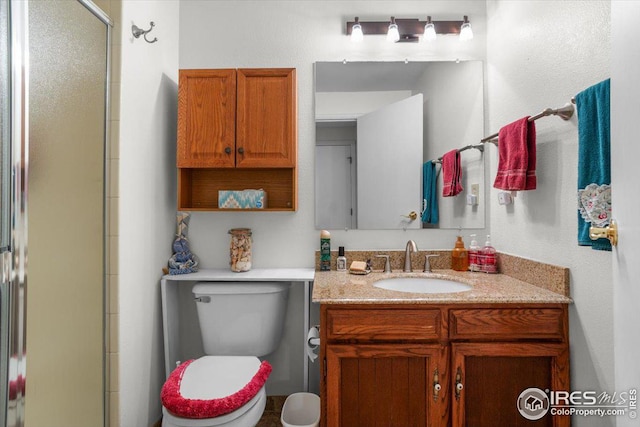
182, 261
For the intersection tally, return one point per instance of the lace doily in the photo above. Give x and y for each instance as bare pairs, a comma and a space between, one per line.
594, 204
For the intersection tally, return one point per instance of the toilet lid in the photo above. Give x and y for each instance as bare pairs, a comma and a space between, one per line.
213, 385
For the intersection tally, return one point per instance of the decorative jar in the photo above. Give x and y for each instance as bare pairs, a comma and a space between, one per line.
240, 249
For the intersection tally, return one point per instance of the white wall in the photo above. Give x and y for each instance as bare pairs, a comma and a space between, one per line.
540, 54
228, 34
148, 117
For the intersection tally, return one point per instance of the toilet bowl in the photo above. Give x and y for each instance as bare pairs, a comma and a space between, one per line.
239, 322
216, 391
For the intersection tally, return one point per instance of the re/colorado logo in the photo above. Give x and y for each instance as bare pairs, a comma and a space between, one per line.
533, 404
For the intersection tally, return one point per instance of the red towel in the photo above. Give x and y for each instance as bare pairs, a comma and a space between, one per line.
517, 156
451, 174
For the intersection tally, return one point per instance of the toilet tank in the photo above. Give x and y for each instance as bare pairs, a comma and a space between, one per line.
241, 318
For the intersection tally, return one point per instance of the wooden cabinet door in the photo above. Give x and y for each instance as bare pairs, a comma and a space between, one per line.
206, 118
392, 385
487, 380
266, 128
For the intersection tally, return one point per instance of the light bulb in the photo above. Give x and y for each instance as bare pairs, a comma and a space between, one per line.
393, 35
429, 31
356, 33
465, 30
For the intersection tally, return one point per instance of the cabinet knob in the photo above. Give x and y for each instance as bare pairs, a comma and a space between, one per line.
227, 150
436, 385
241, 150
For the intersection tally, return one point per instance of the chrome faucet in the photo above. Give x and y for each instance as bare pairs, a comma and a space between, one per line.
411, 247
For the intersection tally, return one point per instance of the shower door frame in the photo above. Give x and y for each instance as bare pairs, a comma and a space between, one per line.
105, 19
13, 257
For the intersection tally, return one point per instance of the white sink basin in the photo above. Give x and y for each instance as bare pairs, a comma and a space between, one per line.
422, 285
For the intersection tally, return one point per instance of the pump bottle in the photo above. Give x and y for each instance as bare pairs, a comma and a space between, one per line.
474, 250
488, 258
459, 256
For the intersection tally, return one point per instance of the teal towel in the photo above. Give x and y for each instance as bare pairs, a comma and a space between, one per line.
429, 193
594, 163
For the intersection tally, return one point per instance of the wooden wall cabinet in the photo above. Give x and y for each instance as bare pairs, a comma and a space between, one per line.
450, 366
237, 129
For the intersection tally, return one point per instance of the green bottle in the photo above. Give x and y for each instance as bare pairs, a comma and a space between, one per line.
325, 250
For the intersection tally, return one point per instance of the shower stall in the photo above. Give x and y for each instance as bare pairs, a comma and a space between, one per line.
54, 116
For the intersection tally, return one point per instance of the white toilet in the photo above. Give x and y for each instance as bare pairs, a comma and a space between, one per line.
239, 322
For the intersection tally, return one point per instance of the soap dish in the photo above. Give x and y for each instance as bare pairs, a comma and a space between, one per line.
360, 268
360, 272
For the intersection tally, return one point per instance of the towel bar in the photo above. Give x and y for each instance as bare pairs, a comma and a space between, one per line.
565, 113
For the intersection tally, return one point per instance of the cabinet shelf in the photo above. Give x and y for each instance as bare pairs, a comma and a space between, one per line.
198, 187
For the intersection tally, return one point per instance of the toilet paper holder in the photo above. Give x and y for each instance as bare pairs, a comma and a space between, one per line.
314, 341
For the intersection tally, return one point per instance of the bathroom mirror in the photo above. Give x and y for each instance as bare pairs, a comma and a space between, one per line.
377, 123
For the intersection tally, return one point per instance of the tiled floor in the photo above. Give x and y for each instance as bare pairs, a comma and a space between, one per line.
271, 415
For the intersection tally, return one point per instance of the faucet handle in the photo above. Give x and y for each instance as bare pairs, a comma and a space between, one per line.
387, 264
427, 263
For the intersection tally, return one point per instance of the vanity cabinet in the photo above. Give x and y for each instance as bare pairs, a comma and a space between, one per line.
492, 376
384, 384
426, 365
237, 129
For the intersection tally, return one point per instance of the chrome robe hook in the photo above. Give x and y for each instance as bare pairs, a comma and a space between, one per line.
137, 32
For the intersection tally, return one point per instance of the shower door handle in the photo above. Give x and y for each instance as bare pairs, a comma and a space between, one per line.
5, 267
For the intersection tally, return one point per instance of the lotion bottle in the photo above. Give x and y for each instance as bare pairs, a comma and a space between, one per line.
459, 256
341, 262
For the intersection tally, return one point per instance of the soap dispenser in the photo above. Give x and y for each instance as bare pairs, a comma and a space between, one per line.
459, 256
487, 257
474, 251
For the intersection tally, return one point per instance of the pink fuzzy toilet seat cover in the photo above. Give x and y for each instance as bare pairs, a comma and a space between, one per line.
180, 406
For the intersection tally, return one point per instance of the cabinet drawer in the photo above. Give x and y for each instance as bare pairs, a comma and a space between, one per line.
384, 325
494, 324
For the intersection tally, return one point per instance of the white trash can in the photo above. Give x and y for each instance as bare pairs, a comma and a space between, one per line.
301, 410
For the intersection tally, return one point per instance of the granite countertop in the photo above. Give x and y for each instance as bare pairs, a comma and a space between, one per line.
333, 287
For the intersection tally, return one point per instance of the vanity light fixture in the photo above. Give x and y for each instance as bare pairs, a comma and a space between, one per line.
393, 35
429, 31
403, 30
356, 32
465, 30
